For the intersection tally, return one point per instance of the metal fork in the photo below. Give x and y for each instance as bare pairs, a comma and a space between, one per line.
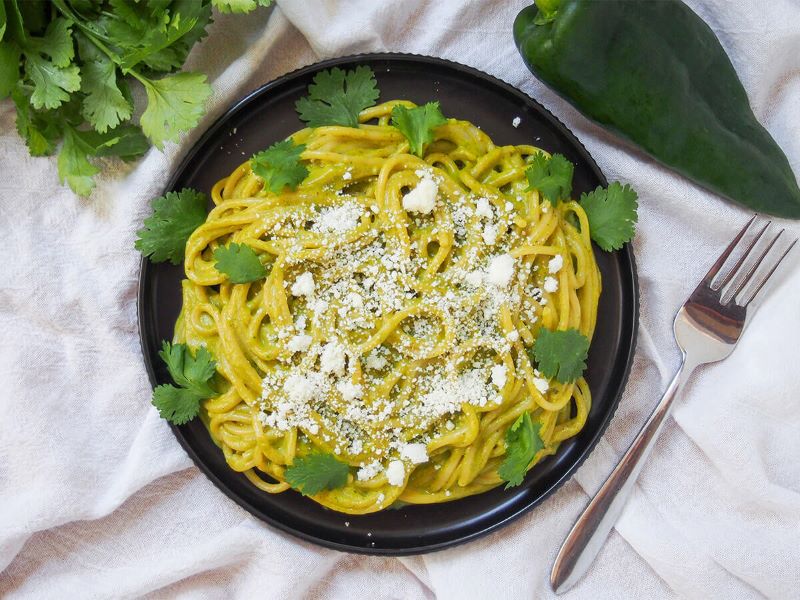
707, 328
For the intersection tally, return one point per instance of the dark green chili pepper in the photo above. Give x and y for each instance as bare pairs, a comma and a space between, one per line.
655, 73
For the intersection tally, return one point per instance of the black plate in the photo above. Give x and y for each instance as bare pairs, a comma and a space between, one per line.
268, 115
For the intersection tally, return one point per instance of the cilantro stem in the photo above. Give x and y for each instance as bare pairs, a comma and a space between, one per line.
88, 32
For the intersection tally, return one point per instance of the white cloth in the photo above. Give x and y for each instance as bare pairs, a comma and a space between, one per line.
98, 500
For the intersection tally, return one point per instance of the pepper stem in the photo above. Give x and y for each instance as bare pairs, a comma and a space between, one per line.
548, 9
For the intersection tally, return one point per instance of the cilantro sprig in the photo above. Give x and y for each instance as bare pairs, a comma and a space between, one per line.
417, 124
279, 165
175, 216
68, 64
336, 97
561, 355
612, 214
180, 404
316, 472
522, 444
239, 262
552, 176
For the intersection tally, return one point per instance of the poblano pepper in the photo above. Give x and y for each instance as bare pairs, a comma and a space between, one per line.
656, 74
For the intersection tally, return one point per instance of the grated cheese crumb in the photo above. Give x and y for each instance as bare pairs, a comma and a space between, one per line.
516, 121
332, 358
349, 390
396, 473
303, 285
417, 453
501, 270
422, 199
490, 235
499, 376
550, 284
541, 384
483, 208
299, 343
555, 264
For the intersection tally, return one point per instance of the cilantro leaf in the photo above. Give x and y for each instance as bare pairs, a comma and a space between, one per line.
180, 405
522, 443
125, 141
612, 214
174, 104
552, 176
9, 67
279, 165
176, 405
239, 262
418, 123
316, 472
239, 6
337, 97
39, 133
175, 216
56, 42
73, 163
190, 372
104, 105
51, 83
561, 354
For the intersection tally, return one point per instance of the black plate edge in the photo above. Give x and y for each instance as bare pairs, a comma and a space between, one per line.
629, 272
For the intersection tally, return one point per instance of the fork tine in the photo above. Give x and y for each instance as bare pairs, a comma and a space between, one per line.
712, 272
742, 280
735, 268
751, 296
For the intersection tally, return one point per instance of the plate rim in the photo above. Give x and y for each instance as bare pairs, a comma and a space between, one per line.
630, 274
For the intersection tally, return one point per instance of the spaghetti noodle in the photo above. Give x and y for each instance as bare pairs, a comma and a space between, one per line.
392, 327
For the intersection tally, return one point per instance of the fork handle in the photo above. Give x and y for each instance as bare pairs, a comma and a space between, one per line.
595, 523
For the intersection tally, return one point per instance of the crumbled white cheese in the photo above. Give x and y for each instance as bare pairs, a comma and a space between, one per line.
380, 498
299, 343
450, 426
509, 207
483, 208
555, 264
512, 336
347, 175
332, 358
490, 235
541, 384
516, 121
422, 199
474, 278
501, 270
550, 284
369, 471
338, 219
303, 285
299, 388
499, 375
396, 473
349, 390
417, 453
375, 362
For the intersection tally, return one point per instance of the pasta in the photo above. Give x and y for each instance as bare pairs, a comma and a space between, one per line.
392, 327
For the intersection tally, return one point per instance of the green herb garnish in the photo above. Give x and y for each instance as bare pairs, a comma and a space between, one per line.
336, 97
418, 123
316, 472
612, 215
175, 216
552, 176
279, 166
181, 404
240, 263
561, 355
522, 444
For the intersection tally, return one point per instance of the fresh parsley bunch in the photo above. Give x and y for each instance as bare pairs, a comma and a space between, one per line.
68, 66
